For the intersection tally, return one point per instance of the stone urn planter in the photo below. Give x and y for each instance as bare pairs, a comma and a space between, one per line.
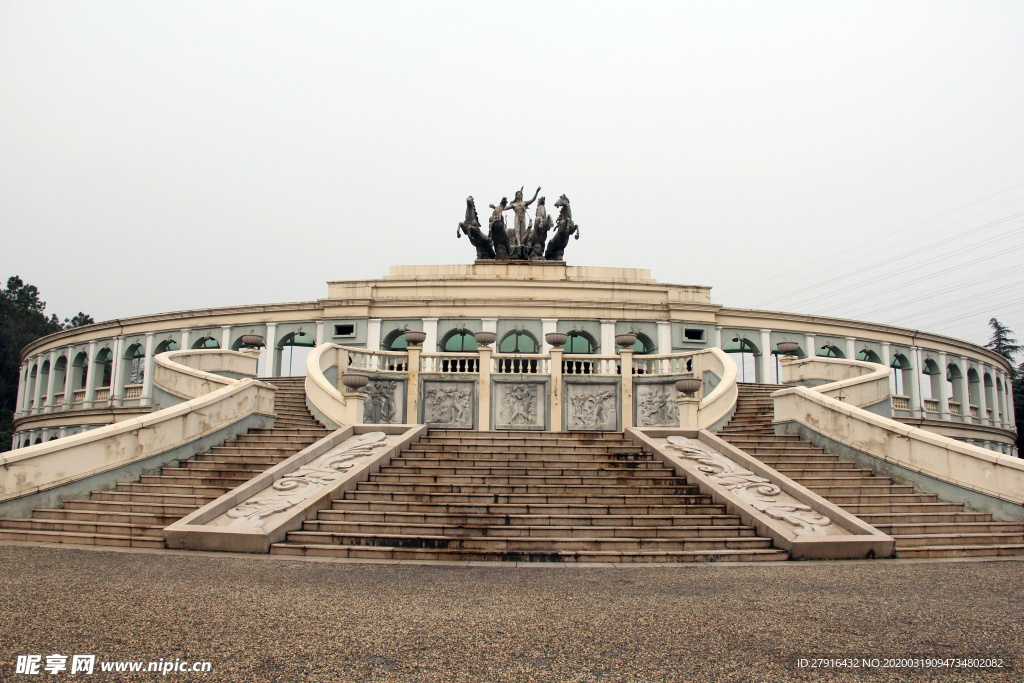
485, 338
787, 348
556, 338
253, 340
354, 381
414, 338
688, 386
625, 340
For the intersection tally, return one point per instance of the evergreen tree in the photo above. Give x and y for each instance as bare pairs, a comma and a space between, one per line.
23, 319
1004, 344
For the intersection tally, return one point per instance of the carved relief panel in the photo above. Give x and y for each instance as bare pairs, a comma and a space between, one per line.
519, 405
591, 406
449, 404
385, 402
655, 405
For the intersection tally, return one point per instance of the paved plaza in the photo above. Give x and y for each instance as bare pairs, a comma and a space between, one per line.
282, 619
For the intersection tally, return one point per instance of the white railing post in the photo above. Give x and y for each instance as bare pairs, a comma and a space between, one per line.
412, 396
626, 363
555, 390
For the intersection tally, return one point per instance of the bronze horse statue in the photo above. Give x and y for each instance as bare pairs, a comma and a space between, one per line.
564, 228
499, 236
539, 233
471, 226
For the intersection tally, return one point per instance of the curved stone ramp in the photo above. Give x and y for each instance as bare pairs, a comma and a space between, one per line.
922, 524
135, 513
528, 496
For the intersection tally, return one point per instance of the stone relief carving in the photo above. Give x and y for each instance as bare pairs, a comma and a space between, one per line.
656, 405
448, 404
382, 404
756, 491
591, 406
519, 405
292, 489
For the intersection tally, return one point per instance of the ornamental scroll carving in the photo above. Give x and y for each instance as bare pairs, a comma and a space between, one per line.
292, 489
758, 492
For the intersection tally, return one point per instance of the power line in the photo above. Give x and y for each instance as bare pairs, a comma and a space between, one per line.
908, 254
971, 300
897, 232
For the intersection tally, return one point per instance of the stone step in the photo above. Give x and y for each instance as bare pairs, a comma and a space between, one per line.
524, 531
666, 479
532, 498
491, 448
227, 458
84, 527
610, 488
538, 457
902, 528
205, 480
434, 555
960, 551
483, 519
141, 518
38, 536
505, 434
527, 543
911, 518
172, 489
958, 539
163, 498
858, 490
893, 507
472, 468
621, 509
128, 506
219, 467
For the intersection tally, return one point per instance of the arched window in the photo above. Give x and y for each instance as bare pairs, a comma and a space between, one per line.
458, 341
81, 369
742, 346
580, 342
518, 341
830, 351
206, 343
395, 341
105, 362
643, 344
869, 356
900, 374
166, 345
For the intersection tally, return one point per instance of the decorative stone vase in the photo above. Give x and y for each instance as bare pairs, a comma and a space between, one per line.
688, 386
354, 381
787, 348
414, 338
252, 340
556, 338
485, 338
624, 340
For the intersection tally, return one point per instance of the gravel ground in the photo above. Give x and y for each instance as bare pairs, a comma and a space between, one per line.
258, 619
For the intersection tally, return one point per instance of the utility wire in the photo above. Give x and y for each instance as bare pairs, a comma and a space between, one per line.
885, 237
970, 315
907, 254
1010, 296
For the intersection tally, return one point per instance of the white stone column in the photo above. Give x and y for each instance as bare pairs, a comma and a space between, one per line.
147, 374
851, 348
50, 381
63, 432
319, 332
270, 362
1004, 413
19, 405
943, 396
38, 394
765, 342
886, 355
916, 400
90, 377
548, 326
373, 334
664, 337
489, 325
965, 391
225, 337
430, 329
718, 336
809, 346
982, 398
116, 372
608, 338
185, 335
14, 441
1011, 412
69, 375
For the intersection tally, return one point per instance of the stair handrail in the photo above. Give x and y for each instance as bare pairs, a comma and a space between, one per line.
857, 382
715, 409
43, 474
323, 398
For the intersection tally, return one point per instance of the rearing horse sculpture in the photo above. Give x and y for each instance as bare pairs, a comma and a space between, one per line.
563, 229
539, 233
471, 227
499, 236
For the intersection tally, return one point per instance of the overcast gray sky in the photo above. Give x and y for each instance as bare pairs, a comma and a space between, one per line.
166, 156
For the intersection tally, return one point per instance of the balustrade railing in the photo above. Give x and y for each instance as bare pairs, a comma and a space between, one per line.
954, 407
590, 365
58, 398
521, 365
132, 391
377, 361
103, 394
450, 363
974, 411
78, 397
900, 402
931, 405
662, 364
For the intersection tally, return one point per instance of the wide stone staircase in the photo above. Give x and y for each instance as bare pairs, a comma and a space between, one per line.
135, 513
527, 496
922, 524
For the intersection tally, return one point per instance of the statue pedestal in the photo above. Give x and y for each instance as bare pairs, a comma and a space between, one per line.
516, 262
